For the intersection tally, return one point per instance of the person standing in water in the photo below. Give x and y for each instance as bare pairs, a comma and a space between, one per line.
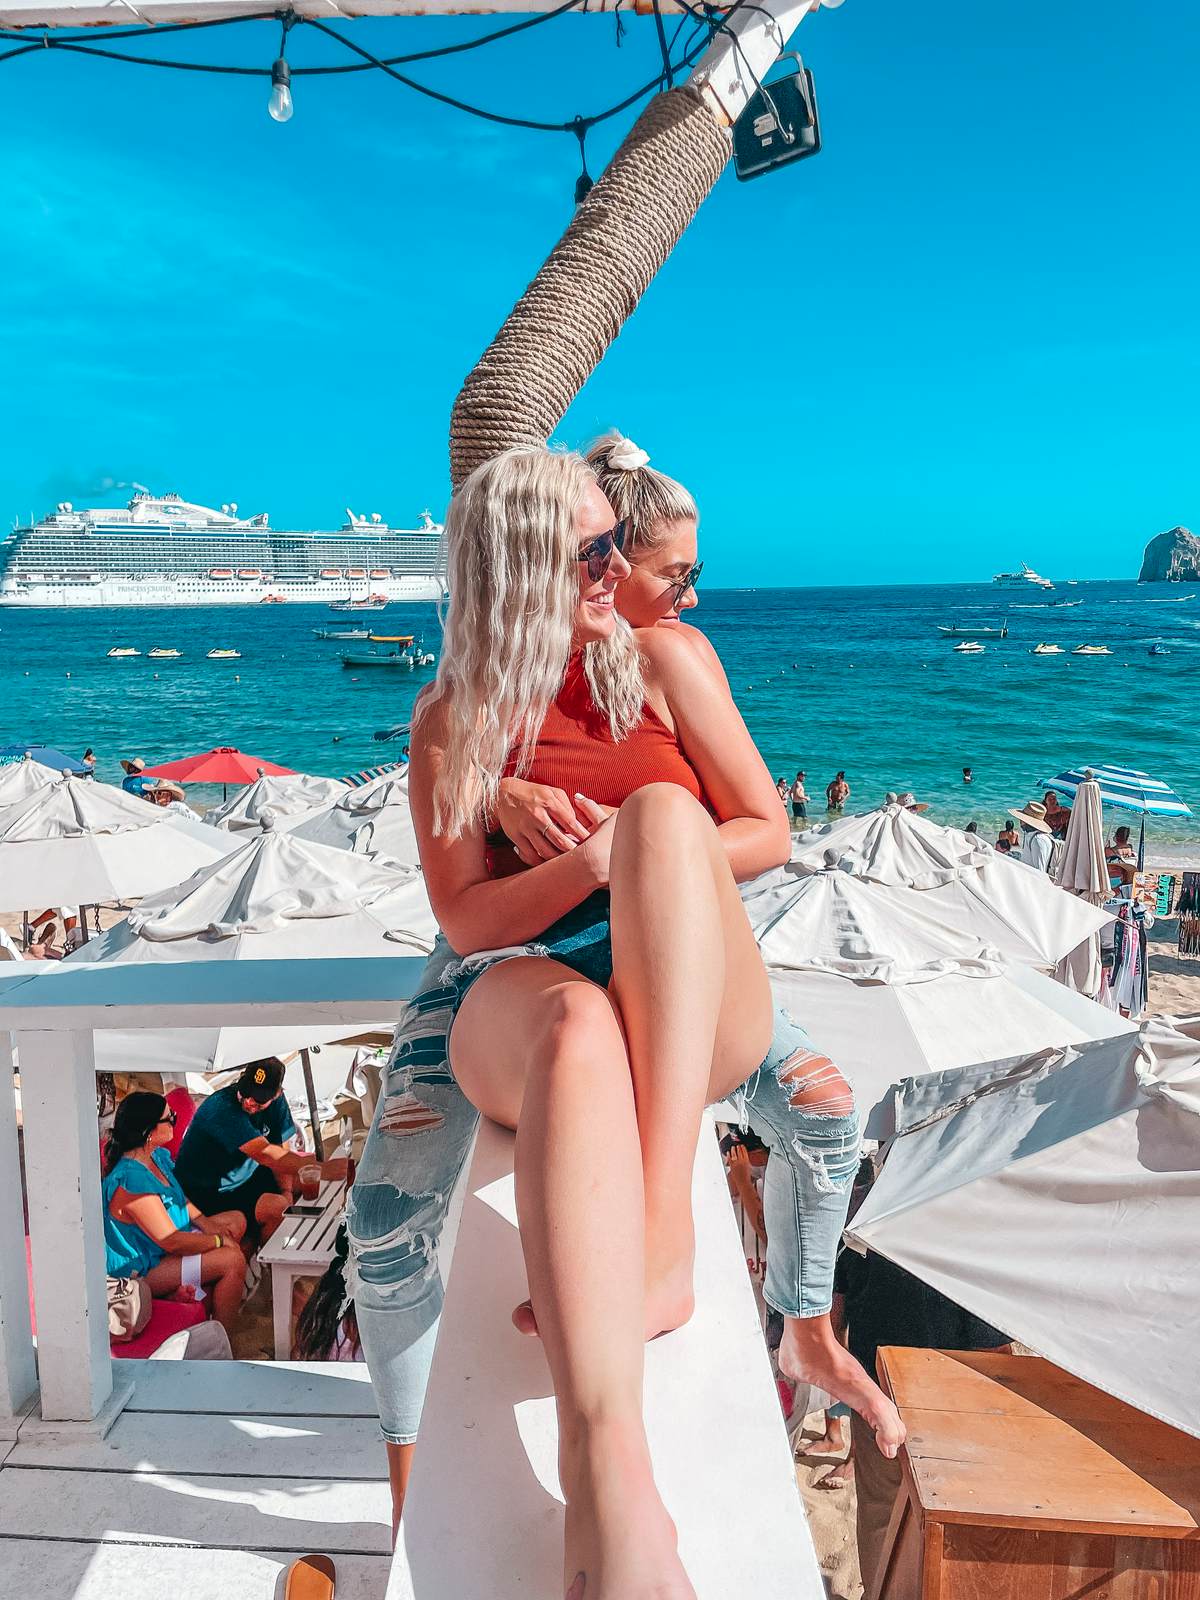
799, 799
837, 792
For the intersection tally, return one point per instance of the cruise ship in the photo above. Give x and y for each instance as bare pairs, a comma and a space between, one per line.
1026, 578
163, 551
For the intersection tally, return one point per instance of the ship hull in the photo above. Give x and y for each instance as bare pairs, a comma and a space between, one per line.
150, 592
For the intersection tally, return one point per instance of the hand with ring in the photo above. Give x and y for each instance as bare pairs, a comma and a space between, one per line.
541, 821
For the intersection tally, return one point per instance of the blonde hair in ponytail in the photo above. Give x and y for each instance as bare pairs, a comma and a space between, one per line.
509, 561
646, 496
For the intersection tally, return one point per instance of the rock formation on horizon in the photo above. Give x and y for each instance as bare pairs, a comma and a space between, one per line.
1172, 557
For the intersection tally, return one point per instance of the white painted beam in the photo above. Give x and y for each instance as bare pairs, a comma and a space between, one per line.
198, 994
66, 1229
740, 56
18, 1368
483, 1515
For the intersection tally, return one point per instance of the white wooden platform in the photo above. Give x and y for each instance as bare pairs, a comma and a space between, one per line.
483, 1516
215, 1476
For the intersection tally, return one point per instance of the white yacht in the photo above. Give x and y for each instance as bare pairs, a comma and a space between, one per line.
1025, 578
160, 550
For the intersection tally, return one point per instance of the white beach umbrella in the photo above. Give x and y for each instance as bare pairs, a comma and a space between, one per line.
285, 795
20, 779
78, 842
892, 845
1083, 872
1004, 905
1060, 1204
931, 1019
373, 820
273, 897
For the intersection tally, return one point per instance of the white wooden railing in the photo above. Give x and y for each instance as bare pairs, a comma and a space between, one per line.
50, 1016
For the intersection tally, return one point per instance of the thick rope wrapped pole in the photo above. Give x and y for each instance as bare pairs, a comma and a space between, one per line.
591, 282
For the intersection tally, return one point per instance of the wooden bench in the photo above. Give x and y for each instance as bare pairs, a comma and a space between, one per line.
302, 1247
1022, 1482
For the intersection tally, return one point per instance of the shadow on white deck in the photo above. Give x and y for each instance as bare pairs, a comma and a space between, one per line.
212, 1479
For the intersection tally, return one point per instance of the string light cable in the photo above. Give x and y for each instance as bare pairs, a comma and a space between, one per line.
282, 72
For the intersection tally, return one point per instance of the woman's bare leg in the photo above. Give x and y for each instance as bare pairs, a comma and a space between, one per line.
223, 1270
696, 1006
399, 1460
558, 1070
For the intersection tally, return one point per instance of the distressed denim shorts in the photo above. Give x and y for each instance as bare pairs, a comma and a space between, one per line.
581, 940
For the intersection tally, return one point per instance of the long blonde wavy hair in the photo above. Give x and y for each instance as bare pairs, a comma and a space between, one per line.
638, 491
509, 561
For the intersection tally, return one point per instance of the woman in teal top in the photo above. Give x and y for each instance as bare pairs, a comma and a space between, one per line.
150, 1226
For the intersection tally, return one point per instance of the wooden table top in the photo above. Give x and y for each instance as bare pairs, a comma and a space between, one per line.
1014, 1441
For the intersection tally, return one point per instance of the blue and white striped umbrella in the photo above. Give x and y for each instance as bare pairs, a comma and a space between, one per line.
1125, 787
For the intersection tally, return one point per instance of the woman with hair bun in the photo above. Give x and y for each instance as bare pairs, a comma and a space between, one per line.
150, 1227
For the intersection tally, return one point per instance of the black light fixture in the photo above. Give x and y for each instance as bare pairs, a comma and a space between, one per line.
780, 124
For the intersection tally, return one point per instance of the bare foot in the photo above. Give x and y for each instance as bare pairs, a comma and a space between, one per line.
839, 1477
835, 1441
620, 1542
809, 1353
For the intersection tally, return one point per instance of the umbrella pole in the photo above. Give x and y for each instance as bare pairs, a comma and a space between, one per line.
313, 1120
1141, 866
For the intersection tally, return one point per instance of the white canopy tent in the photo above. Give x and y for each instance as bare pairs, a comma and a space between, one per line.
1059, 1202
273, 897
77, 842
291, 794
375, 820
928, 1020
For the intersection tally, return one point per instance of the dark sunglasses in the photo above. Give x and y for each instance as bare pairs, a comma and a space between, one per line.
169, 1118
599, 553
688, 581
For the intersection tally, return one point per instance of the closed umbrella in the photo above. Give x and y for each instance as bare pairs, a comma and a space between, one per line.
224, 765
272, 897
292, 794
77, 842
1128, 789
1083, 872
374, 820
1059, 1203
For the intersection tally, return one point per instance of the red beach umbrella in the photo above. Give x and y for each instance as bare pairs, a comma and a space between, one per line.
224, 765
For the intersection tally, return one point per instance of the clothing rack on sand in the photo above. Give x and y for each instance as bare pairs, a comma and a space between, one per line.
459, 1534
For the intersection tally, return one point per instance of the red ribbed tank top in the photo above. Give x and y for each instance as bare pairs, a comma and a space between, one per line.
577, 753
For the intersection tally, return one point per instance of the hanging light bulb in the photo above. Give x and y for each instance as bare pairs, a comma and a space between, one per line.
280, 103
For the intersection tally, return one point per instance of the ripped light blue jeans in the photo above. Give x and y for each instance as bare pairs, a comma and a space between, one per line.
423, 1132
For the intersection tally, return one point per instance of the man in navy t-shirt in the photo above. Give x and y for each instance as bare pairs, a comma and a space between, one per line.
235, 1155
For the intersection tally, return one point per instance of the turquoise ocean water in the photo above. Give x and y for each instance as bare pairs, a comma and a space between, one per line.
826, 678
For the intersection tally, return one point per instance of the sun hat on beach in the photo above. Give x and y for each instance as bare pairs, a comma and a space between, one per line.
135, 765
166, 786
1033, 815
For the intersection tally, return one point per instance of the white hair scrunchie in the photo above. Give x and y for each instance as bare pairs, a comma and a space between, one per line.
627, 457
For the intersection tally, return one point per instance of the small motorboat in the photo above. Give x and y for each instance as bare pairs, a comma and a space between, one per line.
165, 655
122, 653
1158, 650
224, 655
1061, 605
1091, 650
1046, 650
341, 633
969, 647
958, 630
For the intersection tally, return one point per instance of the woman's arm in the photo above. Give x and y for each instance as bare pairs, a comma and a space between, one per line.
474, 911
752, 825
148, 1213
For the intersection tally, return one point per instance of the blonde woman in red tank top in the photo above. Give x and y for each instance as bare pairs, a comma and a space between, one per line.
604, 1082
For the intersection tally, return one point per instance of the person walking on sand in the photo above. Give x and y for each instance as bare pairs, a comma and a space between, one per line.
837, 792
799, 798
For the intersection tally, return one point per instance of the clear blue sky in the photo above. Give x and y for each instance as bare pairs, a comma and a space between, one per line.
968, 330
